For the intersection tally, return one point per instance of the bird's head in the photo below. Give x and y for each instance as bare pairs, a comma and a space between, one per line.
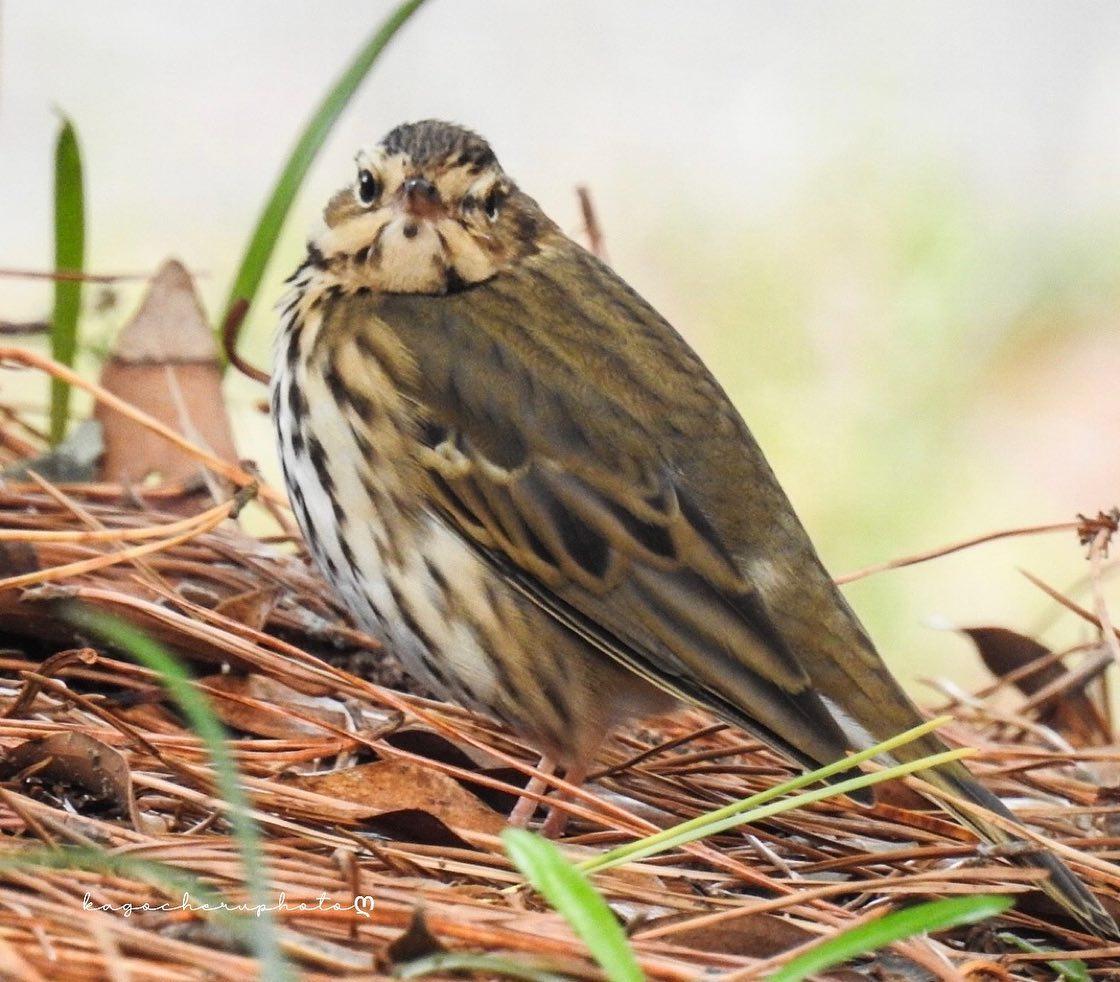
430, 211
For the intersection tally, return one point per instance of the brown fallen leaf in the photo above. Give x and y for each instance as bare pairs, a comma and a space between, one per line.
17, 558
756, 936
146, 712
250, 608
73, 760
267, 718
416, 941
392, 787
165, 362
985, 970
425, 742
1072, 713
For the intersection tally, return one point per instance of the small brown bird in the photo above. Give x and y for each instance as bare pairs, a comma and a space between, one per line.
522, 479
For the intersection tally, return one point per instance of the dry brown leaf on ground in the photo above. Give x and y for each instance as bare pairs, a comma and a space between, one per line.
394, 786
424, 742
986, 970
416, 942
1009, 653
251, 608
74, 761
760, 935
17, 558
266, 707
165, 362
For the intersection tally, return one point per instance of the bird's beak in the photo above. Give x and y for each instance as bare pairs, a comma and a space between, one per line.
421, 198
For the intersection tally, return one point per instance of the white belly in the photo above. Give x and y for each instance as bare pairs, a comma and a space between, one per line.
389, 568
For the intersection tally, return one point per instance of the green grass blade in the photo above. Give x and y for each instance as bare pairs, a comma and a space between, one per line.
643, 849
261, 245
573, 896
69, 256
937, 915
175, 679
1068, 969
447, 962
756, 806
624, 853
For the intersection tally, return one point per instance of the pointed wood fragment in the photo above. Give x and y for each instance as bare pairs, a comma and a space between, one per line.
165, 362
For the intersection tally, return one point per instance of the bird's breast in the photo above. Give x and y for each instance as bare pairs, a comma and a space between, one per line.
346, 443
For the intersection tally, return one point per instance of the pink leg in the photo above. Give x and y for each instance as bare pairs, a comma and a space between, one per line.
557, 820
526, 807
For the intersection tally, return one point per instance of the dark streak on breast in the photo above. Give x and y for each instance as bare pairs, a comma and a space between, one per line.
318, 457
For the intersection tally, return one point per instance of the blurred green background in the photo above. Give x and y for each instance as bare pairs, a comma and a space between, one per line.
890, 227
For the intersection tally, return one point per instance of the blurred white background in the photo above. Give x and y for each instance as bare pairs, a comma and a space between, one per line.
891, 227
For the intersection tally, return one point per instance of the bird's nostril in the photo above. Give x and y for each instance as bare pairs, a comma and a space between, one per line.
418, 187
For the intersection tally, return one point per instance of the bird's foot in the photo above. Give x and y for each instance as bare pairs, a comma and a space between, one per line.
527, 804
555, 824
557, 820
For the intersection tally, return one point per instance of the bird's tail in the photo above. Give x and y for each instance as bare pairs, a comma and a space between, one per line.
1061, 885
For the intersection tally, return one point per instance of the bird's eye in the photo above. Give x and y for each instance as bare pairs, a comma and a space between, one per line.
493, 203
369, 187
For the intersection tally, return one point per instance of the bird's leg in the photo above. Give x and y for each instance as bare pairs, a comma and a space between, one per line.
557, 819
526, 806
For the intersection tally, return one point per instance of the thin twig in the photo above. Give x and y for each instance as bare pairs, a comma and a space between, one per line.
1065, 601
72, 275
922, 557
115, 534
231, 472
91, 522
591, 225
230, 329
215, 516
1097, 551
24, 328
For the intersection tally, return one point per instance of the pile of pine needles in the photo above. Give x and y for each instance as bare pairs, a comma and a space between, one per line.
362, 788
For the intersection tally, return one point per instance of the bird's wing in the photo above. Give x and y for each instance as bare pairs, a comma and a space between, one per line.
582, 512
636, 571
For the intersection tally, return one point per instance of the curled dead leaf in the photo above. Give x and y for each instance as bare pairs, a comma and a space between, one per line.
399, 794
1071, 712
257, 705
74, 761
417, 941
985, 970
250, 608
17, 558
757, 936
